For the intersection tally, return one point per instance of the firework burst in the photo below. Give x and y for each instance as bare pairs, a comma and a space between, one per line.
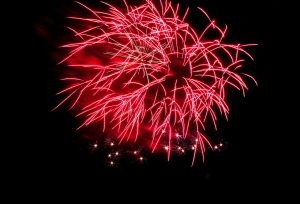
145, 76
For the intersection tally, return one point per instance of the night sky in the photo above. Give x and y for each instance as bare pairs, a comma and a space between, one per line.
57, 156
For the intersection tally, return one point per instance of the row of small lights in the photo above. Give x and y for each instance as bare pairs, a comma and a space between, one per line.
116, 154
141, 158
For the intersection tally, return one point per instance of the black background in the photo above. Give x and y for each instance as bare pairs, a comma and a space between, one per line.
254, 164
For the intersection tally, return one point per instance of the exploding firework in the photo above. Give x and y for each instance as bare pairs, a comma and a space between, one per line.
146, 76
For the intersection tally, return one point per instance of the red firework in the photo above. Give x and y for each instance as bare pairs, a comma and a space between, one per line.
142, 73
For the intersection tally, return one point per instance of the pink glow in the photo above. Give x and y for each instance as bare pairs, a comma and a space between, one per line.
148, 77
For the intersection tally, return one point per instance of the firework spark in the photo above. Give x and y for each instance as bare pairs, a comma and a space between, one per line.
145, 75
